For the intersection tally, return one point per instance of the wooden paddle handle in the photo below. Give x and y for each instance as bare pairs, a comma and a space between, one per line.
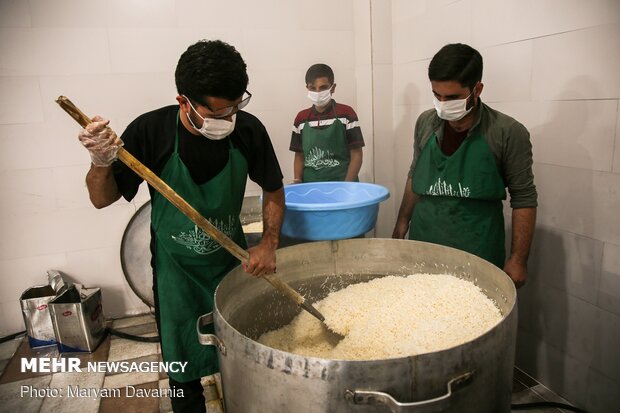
284, 288
163, 188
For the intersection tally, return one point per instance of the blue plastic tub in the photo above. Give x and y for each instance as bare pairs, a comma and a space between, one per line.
318, 211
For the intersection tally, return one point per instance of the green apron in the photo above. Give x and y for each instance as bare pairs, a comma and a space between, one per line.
460, 201
188, 263
326, 155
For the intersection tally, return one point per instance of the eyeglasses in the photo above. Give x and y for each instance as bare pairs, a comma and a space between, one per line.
228, 110
321, 89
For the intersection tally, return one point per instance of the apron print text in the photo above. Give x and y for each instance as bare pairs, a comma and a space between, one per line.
442, 188
198, 241
319, 159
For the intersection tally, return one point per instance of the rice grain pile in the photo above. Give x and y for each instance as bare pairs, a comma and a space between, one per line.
391, 317
253, 227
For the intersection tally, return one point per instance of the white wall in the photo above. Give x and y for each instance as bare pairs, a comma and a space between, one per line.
554, 65
117, 58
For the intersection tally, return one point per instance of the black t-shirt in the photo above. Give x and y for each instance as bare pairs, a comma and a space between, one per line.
452, 139
151, 136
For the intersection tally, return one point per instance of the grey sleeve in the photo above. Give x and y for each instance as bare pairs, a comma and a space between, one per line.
416, 148
517, 167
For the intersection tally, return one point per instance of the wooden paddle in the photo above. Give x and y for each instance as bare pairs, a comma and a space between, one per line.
163, 188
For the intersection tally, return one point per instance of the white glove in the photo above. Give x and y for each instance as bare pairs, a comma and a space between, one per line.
101, 142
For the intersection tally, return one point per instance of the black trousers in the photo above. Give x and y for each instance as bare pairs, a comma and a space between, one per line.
192, 399
186, 397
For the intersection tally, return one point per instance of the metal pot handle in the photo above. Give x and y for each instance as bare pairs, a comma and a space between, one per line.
209, 339
369, 397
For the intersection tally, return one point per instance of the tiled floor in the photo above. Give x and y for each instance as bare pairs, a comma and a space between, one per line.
13, 381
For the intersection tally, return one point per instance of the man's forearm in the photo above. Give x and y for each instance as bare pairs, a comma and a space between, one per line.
273, 214
355, 164
405, 211
523, 223
101, 186
298, 167
408, 203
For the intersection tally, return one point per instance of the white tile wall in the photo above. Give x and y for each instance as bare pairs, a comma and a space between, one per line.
286, 94
616, 166
381, 22
609, 289
411, 84
53, 51
514, 20
141, 13
269, 14
375, 99
384, 148
567, 262
383, 119
30, 146
404, 123
68, 14
362, 28
213, 14
285, 52
20, 101
119, 98
593, 215
29, 190
404, 10
327, 15
566, 323
364, 110
279, 128
14, 13
11, 317
160, 49
421, 36
606, 357
56, 231
90, 13
602, 392
69, 187
575, 133
507, 72
29, 272
341, 54
589, 71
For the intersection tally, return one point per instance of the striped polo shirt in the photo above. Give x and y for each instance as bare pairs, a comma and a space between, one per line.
345, 114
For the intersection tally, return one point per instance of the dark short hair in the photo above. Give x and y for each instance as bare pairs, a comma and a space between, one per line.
211, 68
458, 62
319, 70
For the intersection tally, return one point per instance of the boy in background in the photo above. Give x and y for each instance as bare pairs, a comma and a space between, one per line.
326, 138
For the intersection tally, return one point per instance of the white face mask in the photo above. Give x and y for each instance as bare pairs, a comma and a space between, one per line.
320, 98
452, 109
214, 129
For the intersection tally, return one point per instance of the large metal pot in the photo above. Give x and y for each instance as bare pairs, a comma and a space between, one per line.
473, 377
